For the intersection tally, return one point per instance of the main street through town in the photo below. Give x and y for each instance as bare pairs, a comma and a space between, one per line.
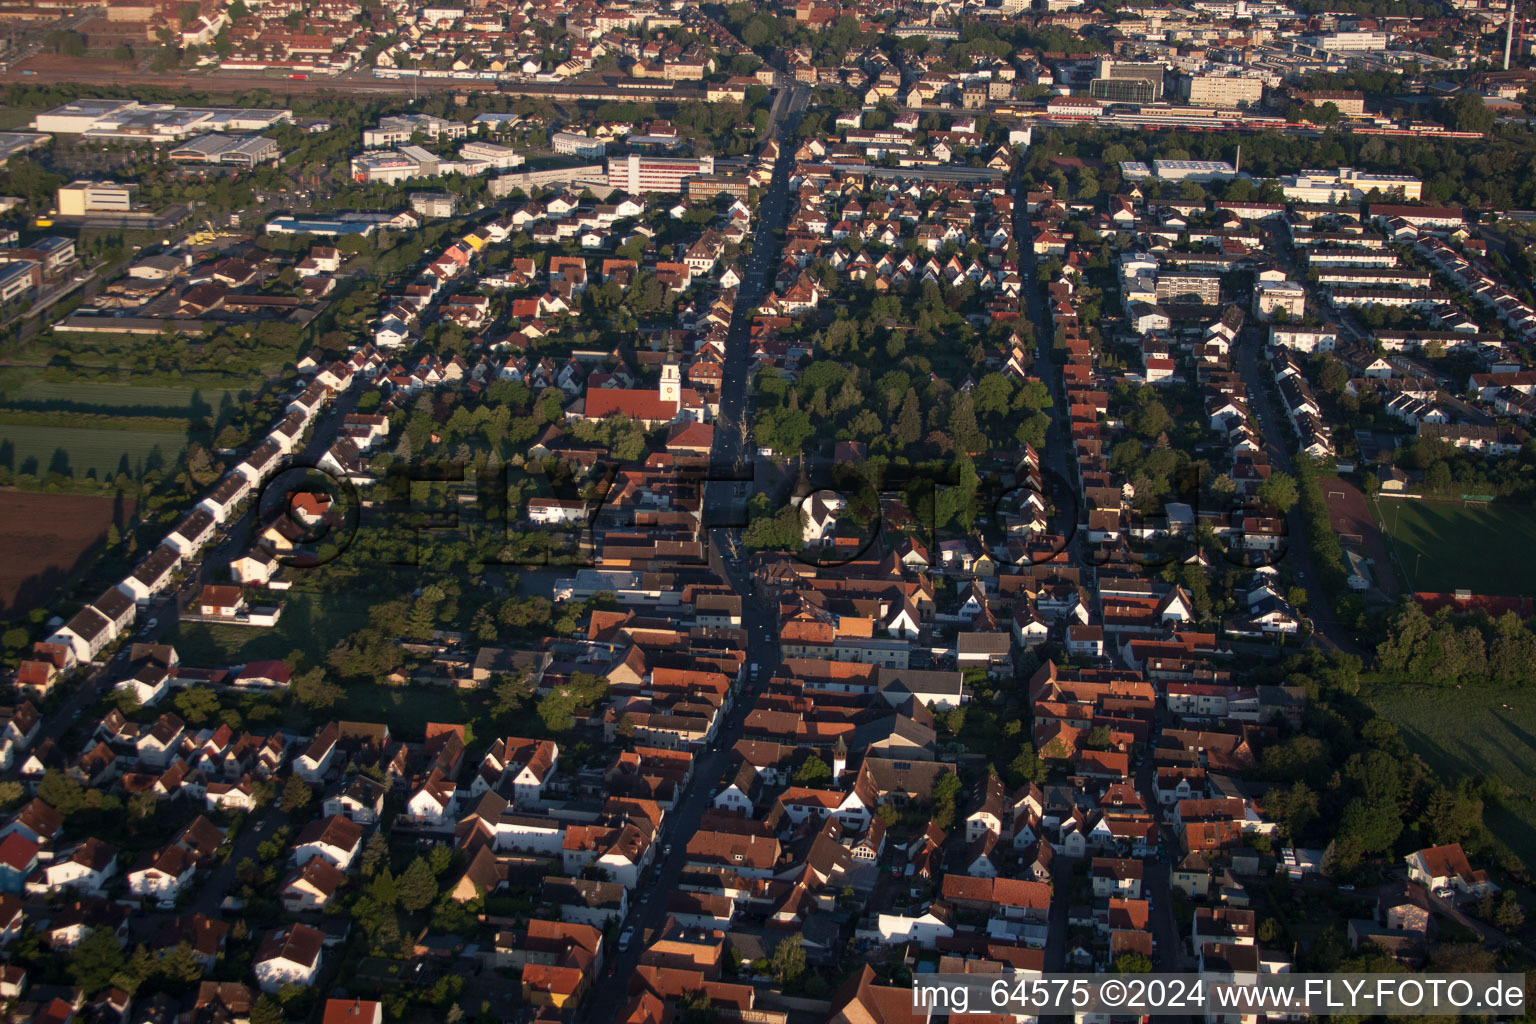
723, 500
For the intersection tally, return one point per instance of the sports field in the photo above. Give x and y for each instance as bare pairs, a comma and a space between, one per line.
1446, 545
1492, 733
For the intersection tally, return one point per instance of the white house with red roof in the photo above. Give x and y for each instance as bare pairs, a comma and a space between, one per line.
264, 675
1437, 868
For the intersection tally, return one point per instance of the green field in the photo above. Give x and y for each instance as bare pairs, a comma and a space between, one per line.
131, 399
16, 119
408, 709
155, 421
85, 452
1443, 546
1491, 732
313, 623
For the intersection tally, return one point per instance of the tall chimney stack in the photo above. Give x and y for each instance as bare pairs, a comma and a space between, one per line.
1509, 34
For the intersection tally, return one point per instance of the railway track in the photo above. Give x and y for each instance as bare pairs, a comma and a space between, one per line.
223, 83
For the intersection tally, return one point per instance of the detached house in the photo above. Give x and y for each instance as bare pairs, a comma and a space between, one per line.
336, 839
317, 759
288, 956
362, 800
1438, 868
517, 768
163, 876
87, 868
311, 887
434, 801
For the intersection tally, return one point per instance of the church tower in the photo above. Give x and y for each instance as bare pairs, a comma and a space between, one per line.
671, 388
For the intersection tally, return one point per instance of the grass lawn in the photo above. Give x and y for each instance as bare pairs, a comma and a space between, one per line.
408, 709
1481, 737
1443, 546
312, 623
16, 119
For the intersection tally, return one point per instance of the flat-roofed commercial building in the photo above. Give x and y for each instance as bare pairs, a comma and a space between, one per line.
708, 186
1222, 90
234, 150
1123, 82
1193, 170
637, 174
18, 278
572, 144
79, 198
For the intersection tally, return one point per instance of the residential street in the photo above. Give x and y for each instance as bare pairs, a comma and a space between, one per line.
1156, 885
1297, 553
1058, 438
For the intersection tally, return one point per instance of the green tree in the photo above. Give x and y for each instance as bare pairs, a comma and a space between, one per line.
1027, 766
557, 712
417, 887
61, 792
962, 425
267, 1011
1151, 419
909, 424
314, 691
946, 790
811, 771
1438, 478
296, 795
142, 804
1279, 491
1509, 915
197, 704
1133, 963
375, 853
1468, 113
384, 889
1373, 827
97, 960
788, 960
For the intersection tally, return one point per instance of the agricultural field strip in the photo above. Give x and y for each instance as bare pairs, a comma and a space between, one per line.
86, 449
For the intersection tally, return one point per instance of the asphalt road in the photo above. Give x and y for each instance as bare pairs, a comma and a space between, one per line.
1156, 881
647, 902
1328, 633
1058, 438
